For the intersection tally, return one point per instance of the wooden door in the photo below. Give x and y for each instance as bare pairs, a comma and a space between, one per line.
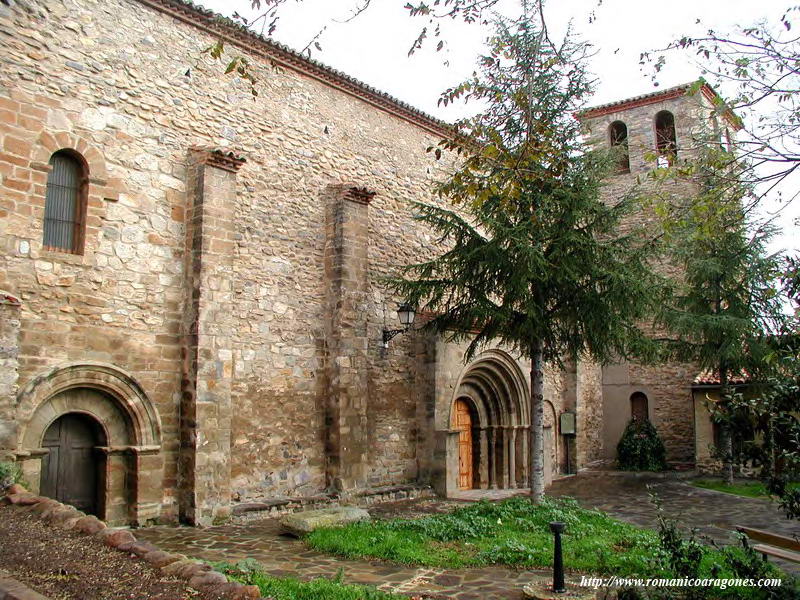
69, 472
463, 422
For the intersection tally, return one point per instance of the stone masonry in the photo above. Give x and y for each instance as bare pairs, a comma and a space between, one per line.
226, 308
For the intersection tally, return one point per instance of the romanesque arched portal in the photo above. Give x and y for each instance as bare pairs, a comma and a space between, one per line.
121, 438
494, 391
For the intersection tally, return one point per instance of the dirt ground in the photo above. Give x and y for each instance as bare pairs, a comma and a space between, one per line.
67, 565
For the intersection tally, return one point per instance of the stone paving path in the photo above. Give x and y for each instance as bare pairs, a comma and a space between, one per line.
283, 556
623, 495
714, 514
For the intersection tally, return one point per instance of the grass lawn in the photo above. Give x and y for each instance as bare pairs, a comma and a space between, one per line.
750, 489
512, 532
288, 588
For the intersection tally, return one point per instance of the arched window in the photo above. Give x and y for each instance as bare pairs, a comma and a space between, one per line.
65, 204
618, 140
639, 409
666, 142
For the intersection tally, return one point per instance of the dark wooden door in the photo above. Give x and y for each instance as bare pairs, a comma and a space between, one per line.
463, 422
69, 472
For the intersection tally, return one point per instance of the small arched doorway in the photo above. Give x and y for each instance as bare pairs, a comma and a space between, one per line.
639, 407
119, 423
72, 470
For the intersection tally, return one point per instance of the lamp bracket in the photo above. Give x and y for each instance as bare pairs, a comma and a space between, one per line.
388, 334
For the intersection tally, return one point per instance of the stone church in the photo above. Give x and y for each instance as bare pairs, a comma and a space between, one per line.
192, 315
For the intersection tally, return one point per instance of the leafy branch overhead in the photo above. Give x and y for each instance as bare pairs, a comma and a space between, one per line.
758, 69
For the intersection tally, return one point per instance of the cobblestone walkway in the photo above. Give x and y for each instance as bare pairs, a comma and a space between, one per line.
714, 514
623, 495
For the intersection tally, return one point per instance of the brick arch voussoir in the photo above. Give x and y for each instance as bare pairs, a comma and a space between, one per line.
35, 400
51, 142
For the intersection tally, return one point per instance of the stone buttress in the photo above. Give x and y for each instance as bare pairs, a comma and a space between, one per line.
347, 285
205, 418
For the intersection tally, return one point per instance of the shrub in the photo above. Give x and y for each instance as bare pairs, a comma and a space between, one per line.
640, 448
683, 555
9, 473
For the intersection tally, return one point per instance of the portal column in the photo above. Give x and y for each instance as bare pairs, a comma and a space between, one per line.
492, 456
504, 453
512, 458
483, 465
525, 435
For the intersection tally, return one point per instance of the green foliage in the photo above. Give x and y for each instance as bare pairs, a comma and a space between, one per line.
640, 448
683, 555
10, 473
729, 299
774, 414
537, 262
728, 303
250, 572
516, 533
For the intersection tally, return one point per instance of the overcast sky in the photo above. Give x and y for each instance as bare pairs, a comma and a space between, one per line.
374, 46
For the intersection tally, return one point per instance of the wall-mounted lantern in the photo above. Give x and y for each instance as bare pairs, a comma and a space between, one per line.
406, 314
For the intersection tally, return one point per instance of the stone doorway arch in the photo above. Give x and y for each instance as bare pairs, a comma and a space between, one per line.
130, 470
497, 392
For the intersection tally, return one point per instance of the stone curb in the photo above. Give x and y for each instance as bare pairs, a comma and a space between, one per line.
11, 589
196, 574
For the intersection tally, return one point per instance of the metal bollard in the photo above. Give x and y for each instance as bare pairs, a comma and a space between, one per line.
558, 560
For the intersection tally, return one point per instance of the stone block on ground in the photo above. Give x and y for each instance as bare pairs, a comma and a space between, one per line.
302, 523
89, 525
542, 589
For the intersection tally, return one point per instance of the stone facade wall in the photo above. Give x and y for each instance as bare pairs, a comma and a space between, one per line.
135, 103
668, 386
589, 414
9, 367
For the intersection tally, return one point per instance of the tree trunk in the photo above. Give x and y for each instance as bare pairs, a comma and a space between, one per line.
725, 431
537, 425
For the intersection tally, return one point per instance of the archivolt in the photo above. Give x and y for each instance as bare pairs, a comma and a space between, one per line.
127, 396
498, 389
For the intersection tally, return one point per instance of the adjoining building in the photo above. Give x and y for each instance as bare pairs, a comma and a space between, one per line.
193, 312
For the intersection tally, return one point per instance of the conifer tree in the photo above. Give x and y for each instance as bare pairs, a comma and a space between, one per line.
534, 259
727, 302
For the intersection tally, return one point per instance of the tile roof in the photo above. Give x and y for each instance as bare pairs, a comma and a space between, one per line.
659, 96
709, 377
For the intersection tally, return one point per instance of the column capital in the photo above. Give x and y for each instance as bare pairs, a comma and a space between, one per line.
222, 158
354, 193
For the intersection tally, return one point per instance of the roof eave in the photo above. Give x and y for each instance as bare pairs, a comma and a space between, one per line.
249, 41
656, 97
